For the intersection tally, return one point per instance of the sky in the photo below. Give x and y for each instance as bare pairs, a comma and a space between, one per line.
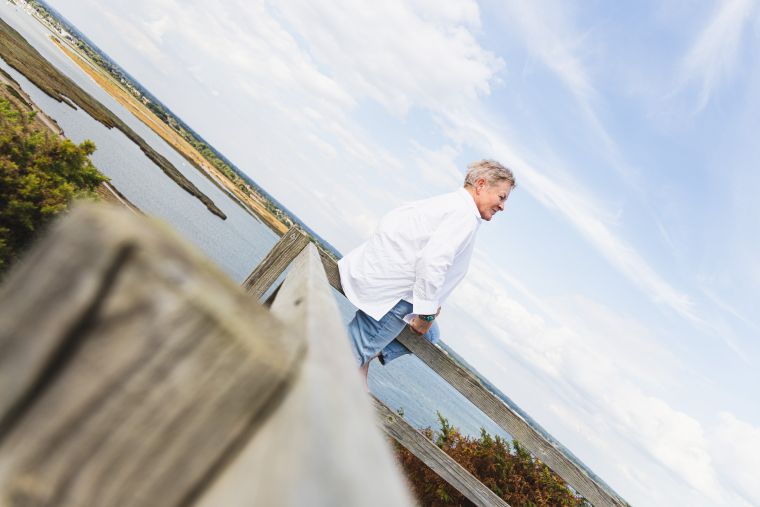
616, 297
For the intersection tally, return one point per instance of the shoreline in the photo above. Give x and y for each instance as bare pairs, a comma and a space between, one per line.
170, 136
18, 54
131, 95
12, 91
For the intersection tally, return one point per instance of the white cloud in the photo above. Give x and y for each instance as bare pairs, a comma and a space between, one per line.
439, 167
298, 73
611, 379
712, 58
736, 445
158, 26
546, 28
590, 218
421, 54
673, 437
549, 32
142, 42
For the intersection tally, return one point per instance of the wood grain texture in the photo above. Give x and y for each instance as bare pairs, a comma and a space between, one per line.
472, 389
322, 447
146, 367
437, 460
331, 270
275, 262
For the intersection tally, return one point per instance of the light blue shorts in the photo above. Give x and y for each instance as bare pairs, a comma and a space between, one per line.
371, 337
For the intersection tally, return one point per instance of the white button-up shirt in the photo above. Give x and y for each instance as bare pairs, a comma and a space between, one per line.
418, 253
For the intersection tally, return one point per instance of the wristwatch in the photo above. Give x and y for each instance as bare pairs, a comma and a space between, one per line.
428, 318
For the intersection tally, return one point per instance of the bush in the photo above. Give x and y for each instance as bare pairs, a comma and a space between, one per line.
40, 174
508, 470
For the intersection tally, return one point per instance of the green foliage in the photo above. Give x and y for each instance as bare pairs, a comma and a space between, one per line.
446, 433
20, 55
508, 470
39, 175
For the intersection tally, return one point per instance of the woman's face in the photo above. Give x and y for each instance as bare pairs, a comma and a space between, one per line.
490, 199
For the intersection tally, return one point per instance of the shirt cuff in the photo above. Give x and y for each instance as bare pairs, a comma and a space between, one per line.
424, 307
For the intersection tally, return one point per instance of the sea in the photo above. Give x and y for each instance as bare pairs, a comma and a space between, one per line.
237, 244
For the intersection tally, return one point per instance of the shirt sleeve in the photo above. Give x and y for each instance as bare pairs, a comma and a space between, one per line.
436, 258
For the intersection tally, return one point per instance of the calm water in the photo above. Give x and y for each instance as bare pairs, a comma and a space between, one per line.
236, 244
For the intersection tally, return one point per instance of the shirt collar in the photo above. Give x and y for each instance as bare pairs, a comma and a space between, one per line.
465, 195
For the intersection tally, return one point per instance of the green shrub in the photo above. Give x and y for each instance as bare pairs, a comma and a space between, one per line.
508, 470
40, 174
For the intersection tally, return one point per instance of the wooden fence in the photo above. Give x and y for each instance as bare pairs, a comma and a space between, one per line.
135, 373
462, 380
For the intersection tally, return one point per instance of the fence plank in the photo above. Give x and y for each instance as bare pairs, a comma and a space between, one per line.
467, 384
147, 366
437, 460
472, 389
331, 270
323, 440
275, 262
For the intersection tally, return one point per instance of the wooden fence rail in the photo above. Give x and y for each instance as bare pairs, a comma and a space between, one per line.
135, 373
261, 280
469, 386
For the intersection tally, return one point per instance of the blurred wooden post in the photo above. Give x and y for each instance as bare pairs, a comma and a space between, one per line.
135, 373
131, 367
324, 437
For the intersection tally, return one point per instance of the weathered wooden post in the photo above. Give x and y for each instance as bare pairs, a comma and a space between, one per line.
275, 262
135, 373
131, 367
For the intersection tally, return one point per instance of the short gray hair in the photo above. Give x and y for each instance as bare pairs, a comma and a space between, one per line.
490, 170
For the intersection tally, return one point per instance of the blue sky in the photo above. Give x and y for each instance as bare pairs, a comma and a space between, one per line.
616, 299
